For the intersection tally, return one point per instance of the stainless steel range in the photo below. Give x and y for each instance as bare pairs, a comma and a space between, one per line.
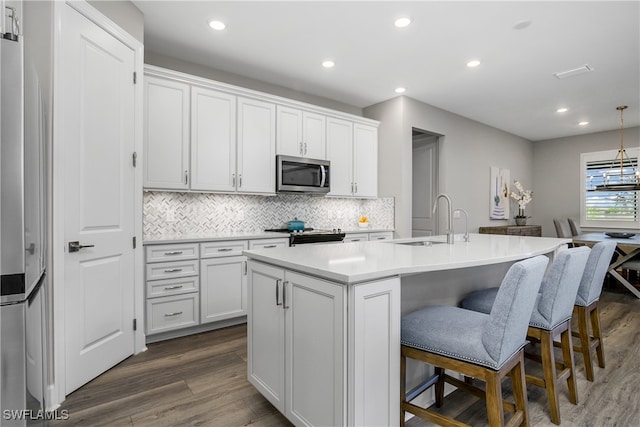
311, 236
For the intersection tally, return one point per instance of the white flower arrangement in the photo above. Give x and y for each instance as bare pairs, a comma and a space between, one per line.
522, 196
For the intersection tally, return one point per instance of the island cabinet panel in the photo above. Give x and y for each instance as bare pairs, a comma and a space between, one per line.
374, 346
296, 344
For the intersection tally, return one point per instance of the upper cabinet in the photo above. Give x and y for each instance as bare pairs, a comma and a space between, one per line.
213, 140
300, 133
166, 134
352, 149
202, 135
256, 172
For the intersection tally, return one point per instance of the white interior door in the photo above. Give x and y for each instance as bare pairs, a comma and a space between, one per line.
97, 137
425, 161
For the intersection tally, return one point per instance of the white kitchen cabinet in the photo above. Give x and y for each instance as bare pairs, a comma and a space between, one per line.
172, 287
365, 160
356, 237
213, 140
295, 360
166, 134
300, 133
381, 235
223, 280
352, 149
256, 164
223, 288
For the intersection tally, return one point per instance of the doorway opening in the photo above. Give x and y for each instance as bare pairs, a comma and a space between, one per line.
424, 182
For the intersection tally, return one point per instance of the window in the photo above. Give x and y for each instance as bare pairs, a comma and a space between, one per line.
608, 209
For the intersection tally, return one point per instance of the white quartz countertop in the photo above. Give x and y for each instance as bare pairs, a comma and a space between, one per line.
247, 235
365, 261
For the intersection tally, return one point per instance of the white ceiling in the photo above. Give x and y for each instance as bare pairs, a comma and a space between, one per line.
513, 89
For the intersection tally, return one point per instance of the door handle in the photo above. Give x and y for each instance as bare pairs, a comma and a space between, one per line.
76, 246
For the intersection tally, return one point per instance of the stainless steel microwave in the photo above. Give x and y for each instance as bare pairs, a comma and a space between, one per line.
300, 175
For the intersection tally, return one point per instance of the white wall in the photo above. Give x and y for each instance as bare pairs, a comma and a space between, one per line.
160, 60
556, 163
467, 150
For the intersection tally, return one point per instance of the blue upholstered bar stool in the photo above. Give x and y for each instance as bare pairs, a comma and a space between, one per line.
483, 346
585, 309
551, 318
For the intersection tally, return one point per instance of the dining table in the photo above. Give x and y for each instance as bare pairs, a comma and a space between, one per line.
627, 248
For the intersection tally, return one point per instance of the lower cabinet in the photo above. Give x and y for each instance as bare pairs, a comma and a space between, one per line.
324, 353
296, 344
223, 288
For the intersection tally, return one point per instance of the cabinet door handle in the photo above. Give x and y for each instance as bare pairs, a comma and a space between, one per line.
233, 180
186, 177
356, 185
173, 253
169, 288
300, 151
381, 238
270, 246
239, 180
225, 249
284, 294
278, 281
355, 240
175, 313
245, 268
305, 148
172, 270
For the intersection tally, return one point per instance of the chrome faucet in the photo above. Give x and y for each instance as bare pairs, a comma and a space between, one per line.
466, 223
449, 229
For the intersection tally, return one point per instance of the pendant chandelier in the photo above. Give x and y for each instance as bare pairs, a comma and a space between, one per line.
630, 182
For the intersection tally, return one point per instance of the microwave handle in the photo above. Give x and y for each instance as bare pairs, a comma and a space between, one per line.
324, 176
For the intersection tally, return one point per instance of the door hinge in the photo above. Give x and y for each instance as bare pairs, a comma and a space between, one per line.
135, 159
135, 242
135, 324
135, 77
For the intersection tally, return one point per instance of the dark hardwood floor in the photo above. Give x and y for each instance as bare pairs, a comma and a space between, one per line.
200, 380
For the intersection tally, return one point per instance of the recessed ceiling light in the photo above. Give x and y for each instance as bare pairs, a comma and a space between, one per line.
402, 22
401, 89
217, 25
583, 123
328, 63
562, 110
473, 63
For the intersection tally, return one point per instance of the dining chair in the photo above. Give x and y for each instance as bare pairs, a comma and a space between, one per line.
487, 347
550, 319
585, 309
574, 227
563, 230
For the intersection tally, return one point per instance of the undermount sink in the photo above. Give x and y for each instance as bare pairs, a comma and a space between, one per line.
420, 243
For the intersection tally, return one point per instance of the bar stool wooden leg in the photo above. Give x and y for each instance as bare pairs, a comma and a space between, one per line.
550, 374
403, 386
439, 389
585, 345
520, 390
494, 400
595, 327
569, 365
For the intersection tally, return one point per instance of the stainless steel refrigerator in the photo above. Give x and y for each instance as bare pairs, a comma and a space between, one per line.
23, 325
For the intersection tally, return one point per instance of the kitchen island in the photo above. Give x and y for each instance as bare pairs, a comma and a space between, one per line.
324, 321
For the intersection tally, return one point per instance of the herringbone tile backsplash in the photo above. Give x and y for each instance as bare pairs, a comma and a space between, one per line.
189, 213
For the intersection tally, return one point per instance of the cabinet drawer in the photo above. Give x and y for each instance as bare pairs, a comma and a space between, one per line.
172, 252
166, 287
172, 270
356, 237
167, 313
382, 235
222, 248
268, 243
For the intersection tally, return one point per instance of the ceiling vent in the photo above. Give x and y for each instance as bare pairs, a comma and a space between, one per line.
586, 68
